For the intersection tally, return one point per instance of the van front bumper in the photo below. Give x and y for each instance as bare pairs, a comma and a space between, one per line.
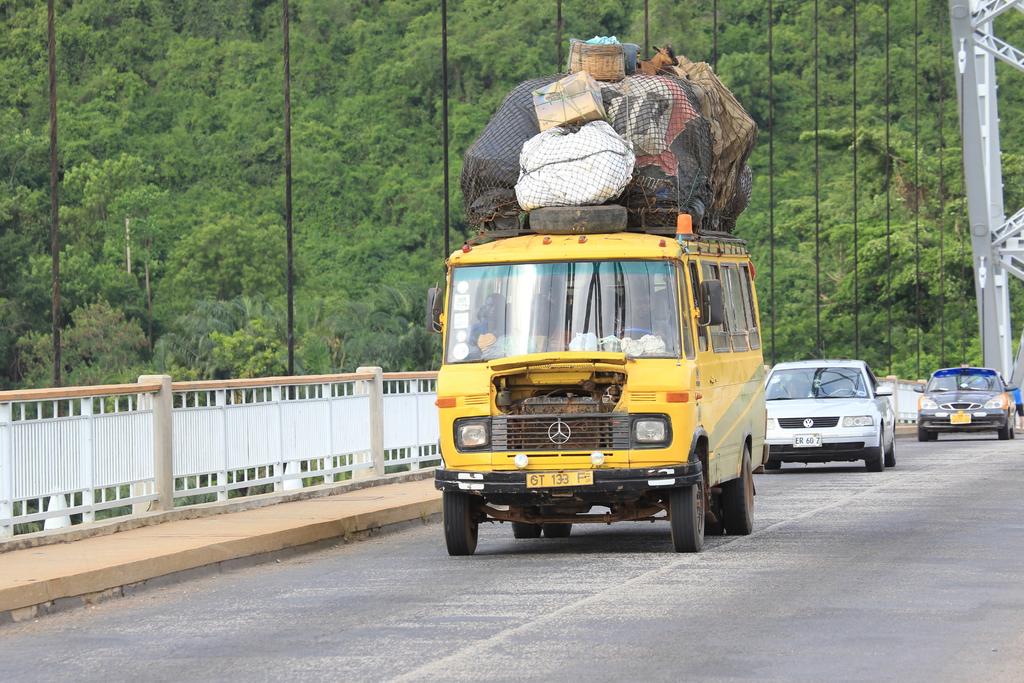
609, 484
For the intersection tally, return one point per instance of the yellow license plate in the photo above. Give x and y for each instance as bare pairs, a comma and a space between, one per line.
539, 480
960, 418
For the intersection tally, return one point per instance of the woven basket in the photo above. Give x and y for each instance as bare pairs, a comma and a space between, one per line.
603, 62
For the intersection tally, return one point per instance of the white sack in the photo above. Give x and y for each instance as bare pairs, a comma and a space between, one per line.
562, 168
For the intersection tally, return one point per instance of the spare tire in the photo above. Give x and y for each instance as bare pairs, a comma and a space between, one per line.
581, 220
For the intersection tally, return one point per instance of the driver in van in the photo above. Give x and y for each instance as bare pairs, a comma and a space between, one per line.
489, 326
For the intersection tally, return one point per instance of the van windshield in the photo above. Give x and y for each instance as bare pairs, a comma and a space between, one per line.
511, 309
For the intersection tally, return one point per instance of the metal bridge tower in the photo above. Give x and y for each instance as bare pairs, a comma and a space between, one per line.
997, 241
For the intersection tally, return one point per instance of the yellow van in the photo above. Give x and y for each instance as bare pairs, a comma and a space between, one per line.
599, 378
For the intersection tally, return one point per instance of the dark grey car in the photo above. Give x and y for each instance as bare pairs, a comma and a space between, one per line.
965, 400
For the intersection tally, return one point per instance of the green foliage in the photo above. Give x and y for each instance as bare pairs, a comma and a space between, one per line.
171, 155
251, 352
98, 346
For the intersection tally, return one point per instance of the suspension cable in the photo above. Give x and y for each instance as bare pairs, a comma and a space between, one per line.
290, 270
856, 264
888, 193
558, 34
714, 35
965, 222
817, 199
771, 170
917, 201
942, 211
444, 122
647, 29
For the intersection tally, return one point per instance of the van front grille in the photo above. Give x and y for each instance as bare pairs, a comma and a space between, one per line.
560, 432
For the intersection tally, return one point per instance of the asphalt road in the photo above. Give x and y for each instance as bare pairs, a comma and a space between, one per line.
912, 574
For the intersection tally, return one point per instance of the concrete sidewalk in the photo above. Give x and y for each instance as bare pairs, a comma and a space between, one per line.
38, 580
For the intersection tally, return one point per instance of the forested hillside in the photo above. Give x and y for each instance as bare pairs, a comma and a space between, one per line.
171, 146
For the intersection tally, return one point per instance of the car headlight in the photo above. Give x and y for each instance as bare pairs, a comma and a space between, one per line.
650, 430
925, 403
998, 402
858, 421
472, 435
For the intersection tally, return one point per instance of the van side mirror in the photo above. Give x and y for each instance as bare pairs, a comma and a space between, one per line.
712, 303
435, 300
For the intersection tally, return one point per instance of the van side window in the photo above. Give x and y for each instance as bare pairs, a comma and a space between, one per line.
702, 334
750, 309
734, 308
719, 333
687, 315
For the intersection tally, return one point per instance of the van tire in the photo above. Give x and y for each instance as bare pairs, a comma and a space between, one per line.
525, 530
686, 518
461, 525
738, 500
557, 530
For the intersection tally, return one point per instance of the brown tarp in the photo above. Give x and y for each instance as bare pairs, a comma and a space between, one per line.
733, 134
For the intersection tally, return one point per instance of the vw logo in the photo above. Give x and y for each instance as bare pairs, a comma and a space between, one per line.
808, 422
559, 432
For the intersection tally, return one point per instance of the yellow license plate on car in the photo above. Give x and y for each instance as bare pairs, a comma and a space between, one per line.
539, 480
960, 418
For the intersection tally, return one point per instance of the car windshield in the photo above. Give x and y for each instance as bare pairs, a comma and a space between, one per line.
821, 382
511, 309
964, 379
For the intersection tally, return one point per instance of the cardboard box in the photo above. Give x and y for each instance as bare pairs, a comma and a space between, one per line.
573, 99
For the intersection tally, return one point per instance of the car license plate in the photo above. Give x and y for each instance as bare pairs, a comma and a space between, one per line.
538, 480
960, 418
807, 441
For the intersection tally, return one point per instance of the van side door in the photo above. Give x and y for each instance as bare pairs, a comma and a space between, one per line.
713, 358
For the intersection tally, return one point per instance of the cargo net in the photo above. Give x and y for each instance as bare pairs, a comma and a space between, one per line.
659, 115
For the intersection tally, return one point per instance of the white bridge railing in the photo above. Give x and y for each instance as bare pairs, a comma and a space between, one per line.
904, 398
74, 455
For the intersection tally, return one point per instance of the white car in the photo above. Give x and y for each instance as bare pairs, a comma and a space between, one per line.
828, 410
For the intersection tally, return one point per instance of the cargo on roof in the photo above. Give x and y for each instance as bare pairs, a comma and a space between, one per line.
676, 142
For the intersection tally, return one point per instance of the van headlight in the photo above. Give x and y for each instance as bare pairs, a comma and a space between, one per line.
472, 434
650, 430
858, 421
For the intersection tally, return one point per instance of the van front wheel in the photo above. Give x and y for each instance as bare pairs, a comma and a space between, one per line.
686, 517
461, 526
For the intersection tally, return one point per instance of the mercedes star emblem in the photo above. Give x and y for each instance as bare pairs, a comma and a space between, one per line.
559, 432
808, 423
